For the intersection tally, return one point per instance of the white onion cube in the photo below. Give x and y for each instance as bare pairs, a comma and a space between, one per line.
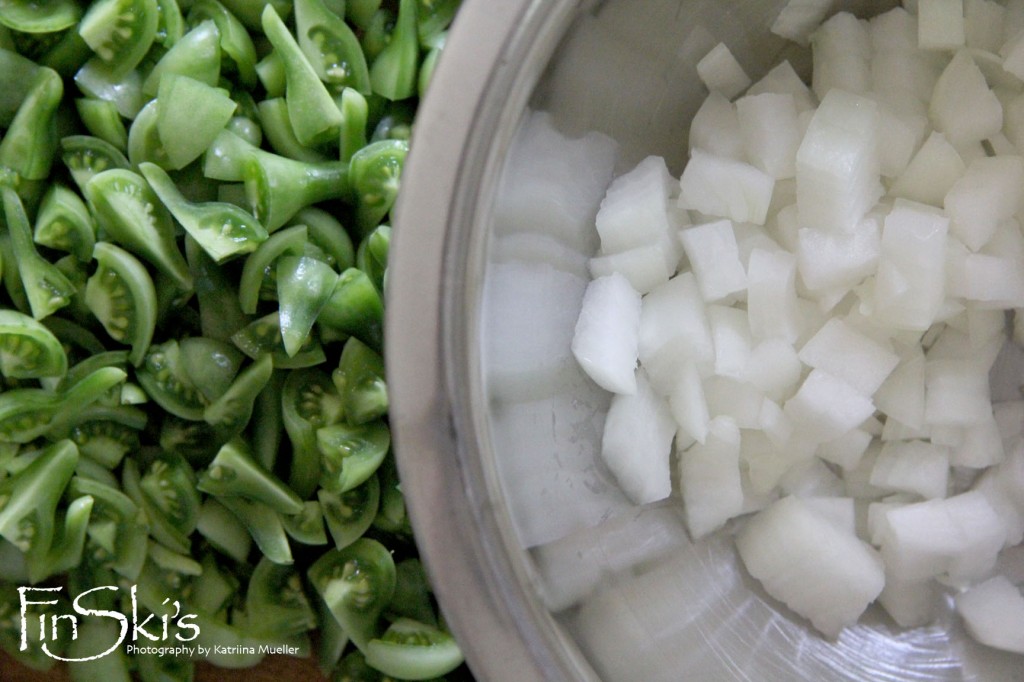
771, 132
993, 613
803, 560
940, 24
633, 212
674, 329
645, 267
844, 352
720, 72
709, 475
989, 192
607, 335
842, 54
963, 106
984, 22
800, 18
901, 397
784, 80
730, 334
725, 188
715, 128
910, 284
913, 467
826, 407
714, 257
956, 393
688, 405
932, 172
837, 164
637, 442
837, 260
772, 305
774, 368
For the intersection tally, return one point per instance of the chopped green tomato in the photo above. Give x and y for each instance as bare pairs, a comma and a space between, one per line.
120, 32
85, 156
169, 487
331, 47
161, 525
309, 402
356, 583
429, 64
144, 143
64, 222
412, 598
68, 542
226, 157
215, 588
223, 530
355, 308
360, 12
171, 25
433, 19
354, 114
67, 55
391, 516
220, 316
80, 370
307, 526
28, 499
360, 381
247, 129
195, 441
326, 233
278, 128
210, 364
98, 79
275, 601
30, 142
351, 454
377, 34
102, 119
235, 41
314, 116
122, 297
234, 472
190, 115
106, 434
410, 650
263, 336
278, 187
264, 525
266, 432
374, 175
117, 531
40, 16
164, 379
393, 74
372, 255
45, 286
270, 71
350, 514
128, 209
196, 55
303, 286
231, 412
249, 12
259, 265
223, 230
28, 350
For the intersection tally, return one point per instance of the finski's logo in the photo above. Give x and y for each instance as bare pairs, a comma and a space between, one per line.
168, 629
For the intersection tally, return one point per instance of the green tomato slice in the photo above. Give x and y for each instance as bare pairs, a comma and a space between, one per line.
120, 32
86, 156
165, 381
410, 650
122, 296
39, 16
350, 514
28, 350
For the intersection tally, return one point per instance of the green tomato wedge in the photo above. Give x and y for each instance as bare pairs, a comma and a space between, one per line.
223, 530
28, 350
28, 500
393, 73
278, 187
331, 47
263, 336
264, 526
307, 526
315, 117
375, 172
39, 16
190, 114
144, 143
223, 230
210, 364
30, 141
410, 650
235, 472
360, 381
98, 79
120, 32
102, 119
350, 514
170, 25
276, 602
351, 454
278, 128
165, 381
259, 265
196, 55
235, 41
86, 156
303, 286
356, 583
68, 542
45, 286
122, 296
231, 412
132, 215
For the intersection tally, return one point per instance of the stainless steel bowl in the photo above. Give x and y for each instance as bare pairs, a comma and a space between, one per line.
544, 570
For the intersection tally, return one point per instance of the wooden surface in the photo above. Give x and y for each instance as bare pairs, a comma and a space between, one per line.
273, 668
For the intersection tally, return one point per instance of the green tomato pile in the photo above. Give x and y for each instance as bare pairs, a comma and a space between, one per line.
194, 231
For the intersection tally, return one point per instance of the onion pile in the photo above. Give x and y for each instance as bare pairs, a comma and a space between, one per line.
800, 331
